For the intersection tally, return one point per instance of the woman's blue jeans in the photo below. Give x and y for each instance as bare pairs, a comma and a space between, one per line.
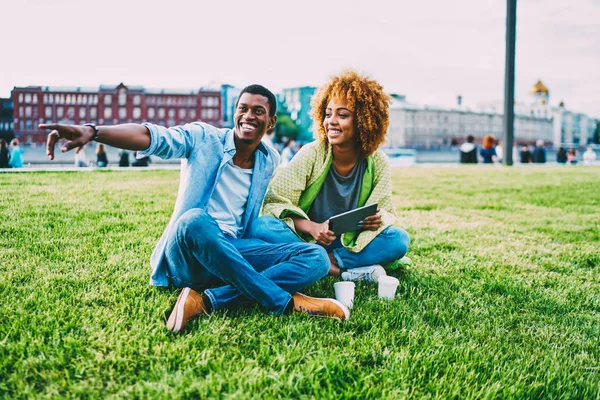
390, 245
201, 256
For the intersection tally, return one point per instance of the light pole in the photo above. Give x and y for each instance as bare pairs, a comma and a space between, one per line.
509, 80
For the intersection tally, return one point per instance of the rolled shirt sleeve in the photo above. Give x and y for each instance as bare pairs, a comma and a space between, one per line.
174, 142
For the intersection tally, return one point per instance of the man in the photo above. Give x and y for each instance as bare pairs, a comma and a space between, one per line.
224, 176
525, 155
538, 155
468, 151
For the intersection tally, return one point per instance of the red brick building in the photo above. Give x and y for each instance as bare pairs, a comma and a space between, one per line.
109, 105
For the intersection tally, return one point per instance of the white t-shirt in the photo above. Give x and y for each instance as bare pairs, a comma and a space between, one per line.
228, 202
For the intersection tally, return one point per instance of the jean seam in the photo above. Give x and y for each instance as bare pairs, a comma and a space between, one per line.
213, 300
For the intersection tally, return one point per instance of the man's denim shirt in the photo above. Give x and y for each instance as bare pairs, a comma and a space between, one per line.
204, 150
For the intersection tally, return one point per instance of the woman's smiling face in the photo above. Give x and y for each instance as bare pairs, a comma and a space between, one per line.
339, 123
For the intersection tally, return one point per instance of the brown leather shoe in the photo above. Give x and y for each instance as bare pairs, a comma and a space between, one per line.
189, 305
320, 307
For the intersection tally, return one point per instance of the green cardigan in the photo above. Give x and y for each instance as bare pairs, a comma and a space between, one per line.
294, 189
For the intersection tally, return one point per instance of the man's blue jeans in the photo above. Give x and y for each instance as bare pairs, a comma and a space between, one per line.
390, 245
201, 256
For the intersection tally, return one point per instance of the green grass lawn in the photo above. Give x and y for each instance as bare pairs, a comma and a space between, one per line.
503, 299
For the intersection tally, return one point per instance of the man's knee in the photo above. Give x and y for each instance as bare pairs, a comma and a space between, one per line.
321, 263
195, 223
397, 241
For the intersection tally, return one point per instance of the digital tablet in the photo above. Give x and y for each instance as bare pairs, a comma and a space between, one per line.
348, 221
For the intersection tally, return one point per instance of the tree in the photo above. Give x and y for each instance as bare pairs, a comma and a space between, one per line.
285, 127
597, 133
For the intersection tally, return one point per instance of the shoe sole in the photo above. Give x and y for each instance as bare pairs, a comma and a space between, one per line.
176, 317
342, 306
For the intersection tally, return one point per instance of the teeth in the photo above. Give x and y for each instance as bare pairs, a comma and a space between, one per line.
247, 126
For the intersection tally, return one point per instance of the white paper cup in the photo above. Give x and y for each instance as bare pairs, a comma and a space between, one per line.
387, 287
344, 293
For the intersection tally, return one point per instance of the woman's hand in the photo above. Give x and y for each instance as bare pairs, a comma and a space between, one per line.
372, 222
321, 233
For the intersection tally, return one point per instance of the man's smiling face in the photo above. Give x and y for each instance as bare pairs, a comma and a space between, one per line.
252, 118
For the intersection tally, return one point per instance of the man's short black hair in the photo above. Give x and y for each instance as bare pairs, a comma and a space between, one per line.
263, 91
470, 139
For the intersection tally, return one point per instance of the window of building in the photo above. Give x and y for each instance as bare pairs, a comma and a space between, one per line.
21, 111
27, 97
93, 112
161, 113
71, 112
69, 99
28, 111
107, 99
20, 97
122, 97
137, 112
82, 112
107, 113
136, 100
171, 112
192, 114
181, 113
48, 112
122, 112
171, 122
59, 112
151, 112
203, 114
28, 125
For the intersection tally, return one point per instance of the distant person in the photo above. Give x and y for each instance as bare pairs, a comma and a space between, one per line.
488, 152
539, 153
499, 151
142, 161
525, 155
342, 170
101, 158
589, 156
123, 158
80, 157
287, 153
16, 154
468, 151
269, 136
572, 156
561, 155
4, 154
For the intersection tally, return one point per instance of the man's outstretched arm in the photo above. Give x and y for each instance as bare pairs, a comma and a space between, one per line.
125, 136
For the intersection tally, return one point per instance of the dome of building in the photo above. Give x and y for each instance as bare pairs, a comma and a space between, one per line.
539, 87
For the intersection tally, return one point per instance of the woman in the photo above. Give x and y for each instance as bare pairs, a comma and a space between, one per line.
561, 156
80, 158
340, 171
4, 154
16, 154
572, 156
488, 152
101, 158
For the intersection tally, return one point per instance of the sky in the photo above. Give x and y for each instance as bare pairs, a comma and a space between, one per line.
429, 50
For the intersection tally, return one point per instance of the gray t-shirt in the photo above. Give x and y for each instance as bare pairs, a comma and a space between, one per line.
338, 194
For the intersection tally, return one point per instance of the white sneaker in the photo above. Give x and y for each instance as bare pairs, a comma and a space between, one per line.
370, 273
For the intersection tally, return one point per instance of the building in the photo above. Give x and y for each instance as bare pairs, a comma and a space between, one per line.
229, 96
426, 127
6, 119
568, 127
297, 103
109, 105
